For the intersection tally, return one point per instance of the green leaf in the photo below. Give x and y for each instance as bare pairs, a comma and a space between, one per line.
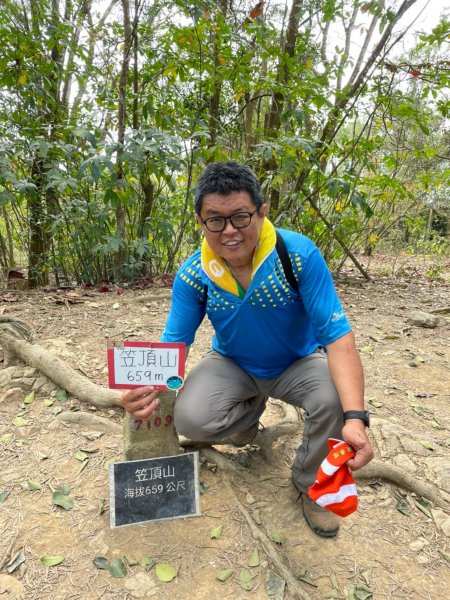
117, 568
63, 489
49, 560
165, 572
276, 537
147, 562
224, 574
254, 561
3, 496
6, 438
403, 507
20, 422
33, 486
216, 532
29, 398
101, 506
80, 455
62, 500
61, 395
101, 563
246, 579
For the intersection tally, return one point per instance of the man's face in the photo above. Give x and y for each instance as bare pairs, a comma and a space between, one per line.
236, 246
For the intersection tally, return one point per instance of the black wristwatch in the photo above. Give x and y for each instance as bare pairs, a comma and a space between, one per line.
362, 415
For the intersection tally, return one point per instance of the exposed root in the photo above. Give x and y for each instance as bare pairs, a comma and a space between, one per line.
380, 470
269, 548
58, 371
91, 421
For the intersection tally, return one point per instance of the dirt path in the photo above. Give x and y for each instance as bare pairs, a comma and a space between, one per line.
392, 548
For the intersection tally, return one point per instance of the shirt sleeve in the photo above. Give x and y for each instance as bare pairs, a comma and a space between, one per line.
186, 312
320, 299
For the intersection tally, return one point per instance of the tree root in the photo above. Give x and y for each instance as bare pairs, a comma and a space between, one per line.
92, 421
59, 372
269, 548
380, 470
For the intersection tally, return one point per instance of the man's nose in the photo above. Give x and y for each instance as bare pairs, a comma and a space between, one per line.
229, 227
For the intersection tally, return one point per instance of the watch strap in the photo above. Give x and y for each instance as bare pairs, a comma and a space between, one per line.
362, 415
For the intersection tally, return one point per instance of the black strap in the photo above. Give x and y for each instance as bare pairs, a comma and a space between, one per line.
286, 262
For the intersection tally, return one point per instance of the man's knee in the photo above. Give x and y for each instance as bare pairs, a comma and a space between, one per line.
192, 422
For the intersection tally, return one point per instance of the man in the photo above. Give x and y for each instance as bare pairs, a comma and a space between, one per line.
273, 336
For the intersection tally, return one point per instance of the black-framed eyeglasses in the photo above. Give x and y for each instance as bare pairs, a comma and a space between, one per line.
239, 220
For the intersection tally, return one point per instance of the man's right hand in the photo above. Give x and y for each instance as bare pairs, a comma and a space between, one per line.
141, 402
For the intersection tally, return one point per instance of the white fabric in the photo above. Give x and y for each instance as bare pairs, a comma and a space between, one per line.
328, 468
334, 498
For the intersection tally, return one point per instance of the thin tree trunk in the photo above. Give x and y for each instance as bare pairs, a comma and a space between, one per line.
214, 101
120, 255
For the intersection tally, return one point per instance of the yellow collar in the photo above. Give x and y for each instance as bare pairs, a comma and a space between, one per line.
217, 269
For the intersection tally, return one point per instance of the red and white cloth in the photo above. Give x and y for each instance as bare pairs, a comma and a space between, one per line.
334, 488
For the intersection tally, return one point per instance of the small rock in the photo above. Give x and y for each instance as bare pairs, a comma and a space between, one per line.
115, 306
249, 499
13, 395
141, 585
11, 588
28, 382
92, 435
418, 545
423, 319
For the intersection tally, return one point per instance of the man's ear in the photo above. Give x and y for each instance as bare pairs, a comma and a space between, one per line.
263, 210
199, 219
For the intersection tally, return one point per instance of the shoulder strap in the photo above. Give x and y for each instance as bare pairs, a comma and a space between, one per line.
286, 262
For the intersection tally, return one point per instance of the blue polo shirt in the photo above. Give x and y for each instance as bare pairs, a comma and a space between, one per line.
272, 325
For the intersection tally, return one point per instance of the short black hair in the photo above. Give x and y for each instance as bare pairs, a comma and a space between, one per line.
224, 178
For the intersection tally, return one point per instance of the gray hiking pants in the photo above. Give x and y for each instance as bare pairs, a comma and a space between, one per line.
219, 399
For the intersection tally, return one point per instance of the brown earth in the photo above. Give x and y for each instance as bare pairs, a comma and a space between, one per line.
380, 552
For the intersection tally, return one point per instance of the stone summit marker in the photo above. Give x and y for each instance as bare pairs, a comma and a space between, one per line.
156, 481
154, 489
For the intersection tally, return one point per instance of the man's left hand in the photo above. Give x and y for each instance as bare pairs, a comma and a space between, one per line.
354, 433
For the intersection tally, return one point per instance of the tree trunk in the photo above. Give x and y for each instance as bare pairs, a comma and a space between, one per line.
214, 101
120, 255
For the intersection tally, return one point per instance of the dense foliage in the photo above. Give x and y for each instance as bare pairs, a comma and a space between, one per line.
109, 111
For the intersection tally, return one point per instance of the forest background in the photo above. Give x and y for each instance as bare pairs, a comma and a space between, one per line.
109, 110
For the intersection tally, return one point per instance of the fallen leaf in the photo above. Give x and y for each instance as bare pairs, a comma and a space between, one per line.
101, 563
148, 562
131, 561
276, 537
80, 455
52, 560
29, 398
61, 395
3, 496
62, 500
33, 486
6, 438
117, 568
101, 506
216, 532
16, 562
49, 402
20, 422
224, 574
254, 561
165, 572
246, 579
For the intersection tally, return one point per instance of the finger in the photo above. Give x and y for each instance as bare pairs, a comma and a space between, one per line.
136, 394
141, 400
146, 412
361, 458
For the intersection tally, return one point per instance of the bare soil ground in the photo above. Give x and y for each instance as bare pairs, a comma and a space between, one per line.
393, 547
